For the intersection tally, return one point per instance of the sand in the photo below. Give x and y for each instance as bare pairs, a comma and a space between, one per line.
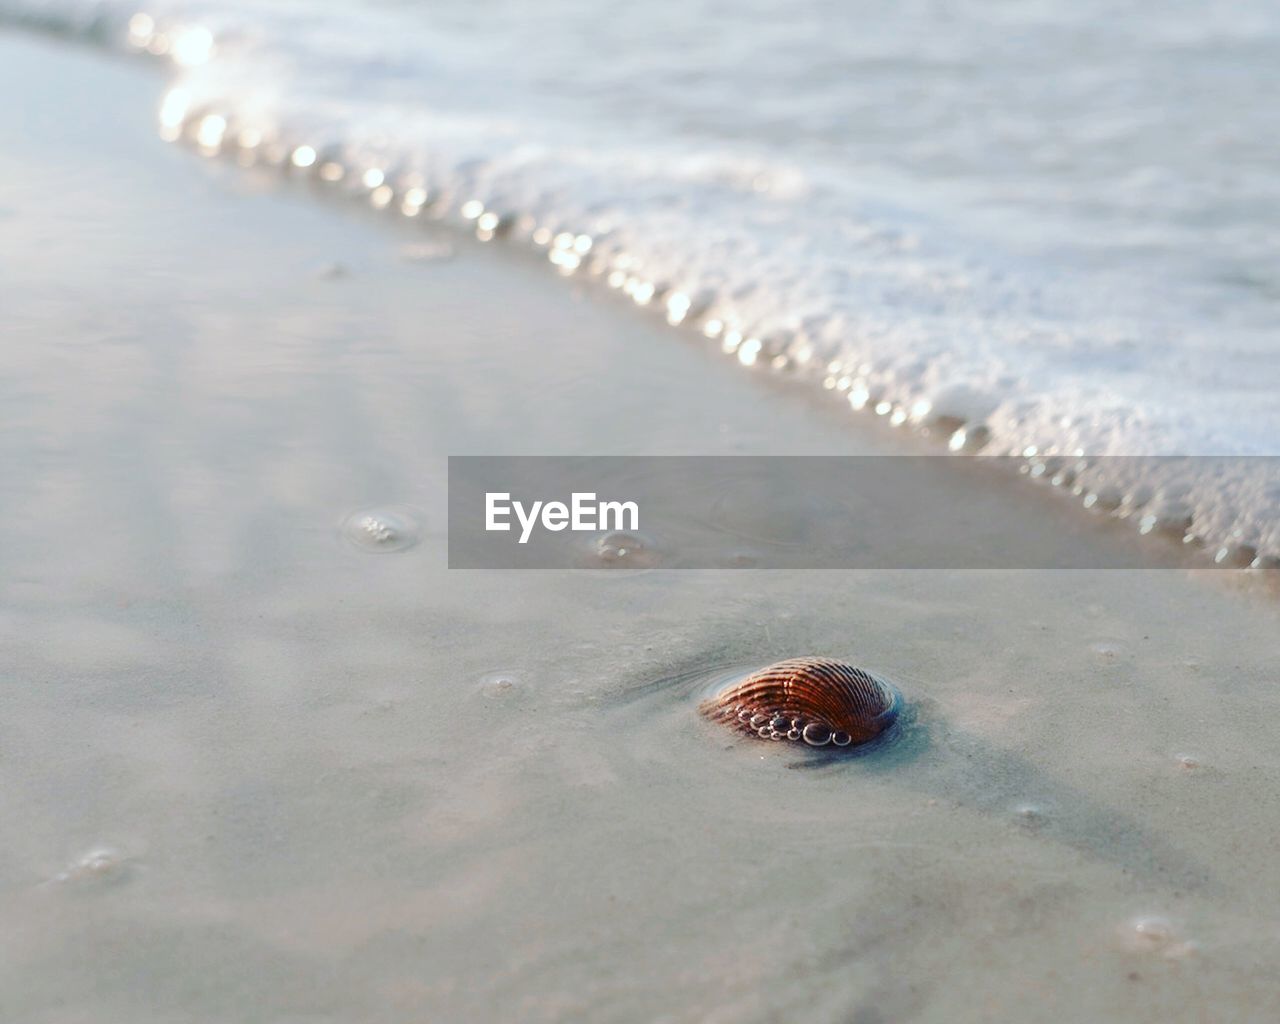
254, 773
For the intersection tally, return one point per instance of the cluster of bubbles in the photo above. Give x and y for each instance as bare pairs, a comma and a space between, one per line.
383, 530
1152, 509
623, 551
187, 46
777, 726
957, 417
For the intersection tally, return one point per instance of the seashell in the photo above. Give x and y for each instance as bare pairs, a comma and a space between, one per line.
816, 701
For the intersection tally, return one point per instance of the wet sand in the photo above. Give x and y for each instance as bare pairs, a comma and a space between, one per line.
252, 772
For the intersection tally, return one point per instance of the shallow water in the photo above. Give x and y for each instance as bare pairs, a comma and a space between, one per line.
1054, 224
253, 771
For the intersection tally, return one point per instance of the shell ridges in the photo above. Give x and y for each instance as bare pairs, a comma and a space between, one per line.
817, 701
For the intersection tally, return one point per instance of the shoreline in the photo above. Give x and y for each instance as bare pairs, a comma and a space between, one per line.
1105, 489
1230, 513
256, 772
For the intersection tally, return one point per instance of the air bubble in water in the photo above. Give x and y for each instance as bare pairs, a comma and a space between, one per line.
382, 530
502, 685
624, 550
1154, 935
102, 863
969, 439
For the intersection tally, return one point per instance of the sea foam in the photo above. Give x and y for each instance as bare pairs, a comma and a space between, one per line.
1080, 271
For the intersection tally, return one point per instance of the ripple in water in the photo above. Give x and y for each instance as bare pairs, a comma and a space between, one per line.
502, 685
102, 864
1029, 815
383, 530
426, 252
620, 549
333, 272
1153, 935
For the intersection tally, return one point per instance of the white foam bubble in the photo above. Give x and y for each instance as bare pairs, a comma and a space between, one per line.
102, 863
383, 529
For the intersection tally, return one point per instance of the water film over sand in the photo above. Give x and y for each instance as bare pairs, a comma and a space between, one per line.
258, 767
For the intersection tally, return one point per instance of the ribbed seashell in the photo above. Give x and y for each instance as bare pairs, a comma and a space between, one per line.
816, 701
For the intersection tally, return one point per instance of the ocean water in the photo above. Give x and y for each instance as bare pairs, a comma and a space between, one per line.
1049, 228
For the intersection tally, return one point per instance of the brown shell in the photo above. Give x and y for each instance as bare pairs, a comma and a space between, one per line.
812, 700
